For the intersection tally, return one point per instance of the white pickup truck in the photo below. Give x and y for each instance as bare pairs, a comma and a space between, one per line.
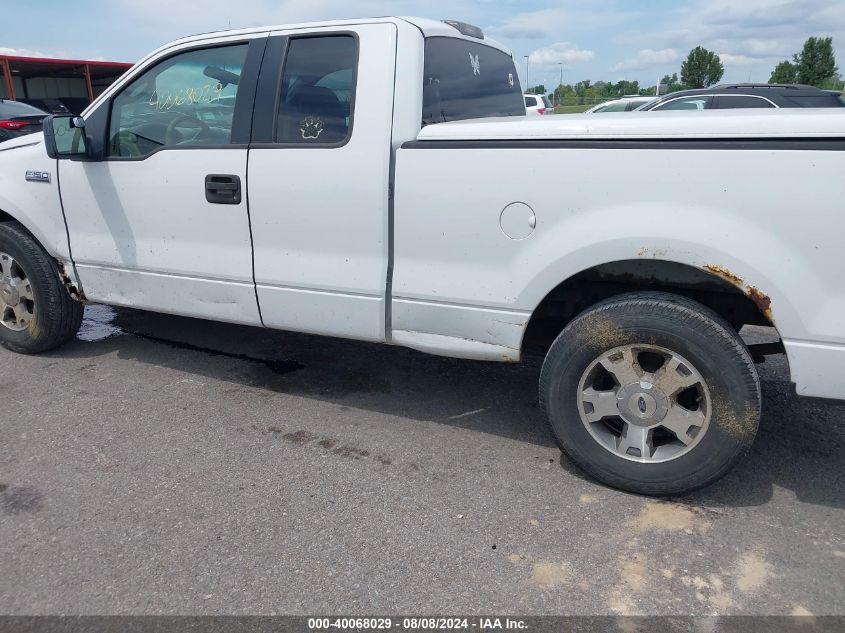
378, 180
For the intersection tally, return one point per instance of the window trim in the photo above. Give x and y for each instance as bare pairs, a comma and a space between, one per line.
254, 54
276, 69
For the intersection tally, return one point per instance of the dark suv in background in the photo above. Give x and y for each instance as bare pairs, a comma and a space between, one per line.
731, 96
17, 119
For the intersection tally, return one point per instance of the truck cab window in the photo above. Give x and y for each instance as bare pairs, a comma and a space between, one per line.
468, 80
186, 100
318, 90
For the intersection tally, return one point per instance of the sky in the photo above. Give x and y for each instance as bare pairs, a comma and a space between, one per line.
611, 40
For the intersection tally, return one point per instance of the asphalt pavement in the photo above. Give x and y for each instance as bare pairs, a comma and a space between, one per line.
160, 465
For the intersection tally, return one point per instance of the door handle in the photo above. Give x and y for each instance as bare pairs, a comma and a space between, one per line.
223, 189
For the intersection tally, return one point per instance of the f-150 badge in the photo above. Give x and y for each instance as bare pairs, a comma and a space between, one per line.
476, 65
311, 127
38, 176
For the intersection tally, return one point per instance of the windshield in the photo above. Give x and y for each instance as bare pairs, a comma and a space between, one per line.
466, 80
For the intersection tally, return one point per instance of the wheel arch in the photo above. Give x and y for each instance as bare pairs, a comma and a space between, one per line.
5, 216
57, 247
714, 286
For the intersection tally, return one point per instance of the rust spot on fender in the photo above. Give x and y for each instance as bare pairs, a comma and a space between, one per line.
760, 298
762, 301
67, 282
726, 274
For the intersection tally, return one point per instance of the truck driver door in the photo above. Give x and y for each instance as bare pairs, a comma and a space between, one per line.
160, 220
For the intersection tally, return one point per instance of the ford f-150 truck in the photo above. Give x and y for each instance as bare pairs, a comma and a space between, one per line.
378, 180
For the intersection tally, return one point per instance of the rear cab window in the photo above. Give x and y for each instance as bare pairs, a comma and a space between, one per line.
468, 80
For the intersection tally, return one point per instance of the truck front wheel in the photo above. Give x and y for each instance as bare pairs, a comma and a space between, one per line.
651, 393
36, 312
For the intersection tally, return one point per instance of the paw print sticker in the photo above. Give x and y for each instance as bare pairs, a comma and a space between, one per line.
311, 128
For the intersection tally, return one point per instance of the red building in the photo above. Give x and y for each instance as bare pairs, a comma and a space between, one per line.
36, 79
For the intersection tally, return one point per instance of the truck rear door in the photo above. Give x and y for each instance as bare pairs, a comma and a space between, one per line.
318, 179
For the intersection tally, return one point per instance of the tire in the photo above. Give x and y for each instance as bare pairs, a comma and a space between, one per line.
720, 411
52, 317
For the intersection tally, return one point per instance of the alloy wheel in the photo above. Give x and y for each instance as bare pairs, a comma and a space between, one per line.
17, 299
644, 403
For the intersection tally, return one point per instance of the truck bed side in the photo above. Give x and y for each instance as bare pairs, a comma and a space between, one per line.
736, 210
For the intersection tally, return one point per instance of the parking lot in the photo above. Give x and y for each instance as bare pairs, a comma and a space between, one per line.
166, 465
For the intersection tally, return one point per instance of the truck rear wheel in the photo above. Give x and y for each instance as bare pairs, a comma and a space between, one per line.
36, 312
651, 393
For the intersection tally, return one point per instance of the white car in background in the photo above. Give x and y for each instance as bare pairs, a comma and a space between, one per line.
537, 105
625, 104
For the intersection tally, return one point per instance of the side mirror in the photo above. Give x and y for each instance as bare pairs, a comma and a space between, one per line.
64, 137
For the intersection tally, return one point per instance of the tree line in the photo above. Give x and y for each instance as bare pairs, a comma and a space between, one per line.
815, 65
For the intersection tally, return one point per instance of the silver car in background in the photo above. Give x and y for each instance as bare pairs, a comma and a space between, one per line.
623, 104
